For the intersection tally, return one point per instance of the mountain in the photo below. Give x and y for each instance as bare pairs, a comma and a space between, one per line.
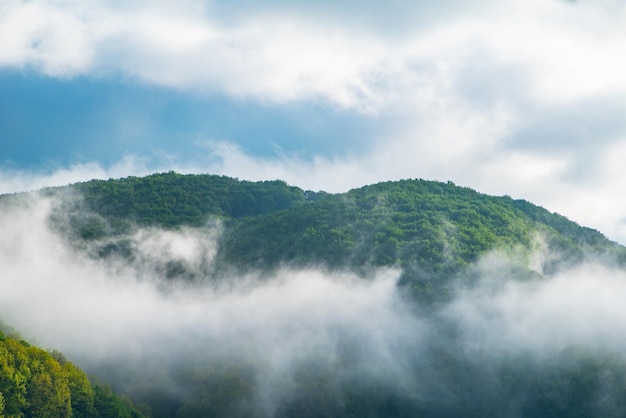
431, 231
406, 298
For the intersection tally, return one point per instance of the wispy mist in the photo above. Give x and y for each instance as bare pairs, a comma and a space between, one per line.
581, 306
126, 322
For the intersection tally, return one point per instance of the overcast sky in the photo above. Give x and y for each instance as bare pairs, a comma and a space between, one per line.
518, 97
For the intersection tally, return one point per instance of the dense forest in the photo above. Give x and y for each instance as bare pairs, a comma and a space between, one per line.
436, 235
38, 383
430, 230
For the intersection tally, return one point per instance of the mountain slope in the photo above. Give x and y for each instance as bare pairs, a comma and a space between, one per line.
430, 230
437, 225
36, 383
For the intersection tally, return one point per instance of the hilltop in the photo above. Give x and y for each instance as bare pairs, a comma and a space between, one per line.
431, 231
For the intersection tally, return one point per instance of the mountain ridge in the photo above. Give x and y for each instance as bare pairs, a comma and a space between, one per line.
426, 228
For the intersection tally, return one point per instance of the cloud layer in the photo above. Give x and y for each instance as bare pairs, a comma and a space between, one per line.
557, 51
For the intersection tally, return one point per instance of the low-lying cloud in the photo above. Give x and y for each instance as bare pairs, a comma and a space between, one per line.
581, 306
117, 311
116, 319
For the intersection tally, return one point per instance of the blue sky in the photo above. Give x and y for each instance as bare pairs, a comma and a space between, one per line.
518, 97
50, 122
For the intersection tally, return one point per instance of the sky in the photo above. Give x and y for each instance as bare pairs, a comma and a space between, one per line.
517, 97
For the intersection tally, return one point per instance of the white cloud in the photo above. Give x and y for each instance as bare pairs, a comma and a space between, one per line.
581, 307
268, 58
567, 51
50, 38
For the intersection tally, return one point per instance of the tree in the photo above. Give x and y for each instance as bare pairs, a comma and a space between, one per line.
1, 405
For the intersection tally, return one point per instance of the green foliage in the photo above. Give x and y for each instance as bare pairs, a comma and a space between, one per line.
108, 405
578, 384
171, 199
430, 230
83, 393
431, 227
34, 383
2, 404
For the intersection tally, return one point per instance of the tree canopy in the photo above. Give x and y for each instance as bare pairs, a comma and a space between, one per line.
430, 230
37, 383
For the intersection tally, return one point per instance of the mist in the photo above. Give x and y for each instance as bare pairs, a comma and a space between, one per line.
304, 336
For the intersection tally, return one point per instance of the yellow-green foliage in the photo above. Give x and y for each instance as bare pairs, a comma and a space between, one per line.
35, 383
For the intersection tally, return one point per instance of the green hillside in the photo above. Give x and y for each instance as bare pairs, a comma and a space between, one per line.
37, 383
430, 230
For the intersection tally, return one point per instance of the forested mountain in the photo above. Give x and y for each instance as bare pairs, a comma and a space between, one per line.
430, 230
444, 340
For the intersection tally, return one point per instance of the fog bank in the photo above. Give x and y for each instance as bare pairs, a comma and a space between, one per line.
300, 330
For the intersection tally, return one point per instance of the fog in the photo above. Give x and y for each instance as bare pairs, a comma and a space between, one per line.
583, 306
127, 324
